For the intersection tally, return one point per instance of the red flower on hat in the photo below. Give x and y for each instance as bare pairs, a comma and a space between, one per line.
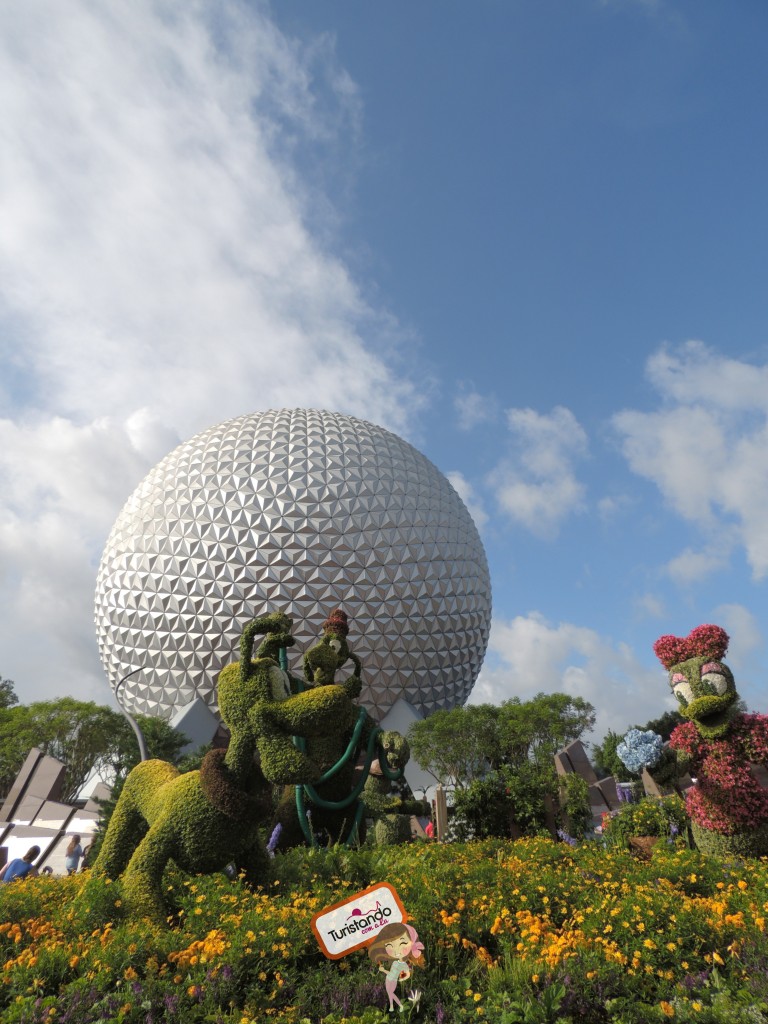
704, 641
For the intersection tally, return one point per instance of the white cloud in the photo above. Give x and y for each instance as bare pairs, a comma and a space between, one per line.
650, 606
693, 373
467, 494
529, 655
537, 486
474, 408
691, 566
165, 264
706, 449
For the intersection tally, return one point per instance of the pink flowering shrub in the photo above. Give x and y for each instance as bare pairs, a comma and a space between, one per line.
703, 641
727, 798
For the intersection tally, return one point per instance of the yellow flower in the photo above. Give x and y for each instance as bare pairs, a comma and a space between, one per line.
535, 979
667, 1008
697, 1005
717, 958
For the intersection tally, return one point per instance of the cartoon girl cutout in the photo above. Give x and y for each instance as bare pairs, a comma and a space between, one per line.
398, 943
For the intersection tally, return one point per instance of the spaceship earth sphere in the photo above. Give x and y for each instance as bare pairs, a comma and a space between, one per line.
298, 510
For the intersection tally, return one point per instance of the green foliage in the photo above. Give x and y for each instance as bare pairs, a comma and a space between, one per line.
500, 760
507, 802
464, 744
648, 817
530, 932
739, 843
7, 694
392, 828
163, 743
85, 736
207, 818
664, 725
607, 762
573, 799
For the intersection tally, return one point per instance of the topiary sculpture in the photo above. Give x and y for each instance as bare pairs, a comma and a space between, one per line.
333, 802
204, 820
717, 745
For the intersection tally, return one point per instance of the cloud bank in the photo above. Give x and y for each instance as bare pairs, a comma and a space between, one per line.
165, 264
706, 450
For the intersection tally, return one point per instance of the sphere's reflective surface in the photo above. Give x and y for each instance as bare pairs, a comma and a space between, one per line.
296, 510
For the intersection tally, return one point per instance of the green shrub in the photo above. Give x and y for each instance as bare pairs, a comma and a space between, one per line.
648, 817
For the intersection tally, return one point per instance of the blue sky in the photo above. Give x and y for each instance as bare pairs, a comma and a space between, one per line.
528, 236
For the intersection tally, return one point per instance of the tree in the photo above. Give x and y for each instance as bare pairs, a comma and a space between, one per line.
455, 746
534, 730
500, 759
85, 736
464, 744
607, 761
665, 725
7, 694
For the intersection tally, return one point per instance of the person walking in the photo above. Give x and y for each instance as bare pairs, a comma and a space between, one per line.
72, 855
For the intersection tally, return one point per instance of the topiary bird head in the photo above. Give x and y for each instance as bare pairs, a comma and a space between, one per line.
700, 680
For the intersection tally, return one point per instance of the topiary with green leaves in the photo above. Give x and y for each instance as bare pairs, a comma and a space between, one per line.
346, 794
203, 820
716, 745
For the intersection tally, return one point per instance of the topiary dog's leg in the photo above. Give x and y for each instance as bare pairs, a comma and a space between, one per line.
143, 878
126, 828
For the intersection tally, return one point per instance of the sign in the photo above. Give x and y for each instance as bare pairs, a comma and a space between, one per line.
352, 923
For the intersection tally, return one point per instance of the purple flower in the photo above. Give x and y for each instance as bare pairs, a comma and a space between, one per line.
274, 839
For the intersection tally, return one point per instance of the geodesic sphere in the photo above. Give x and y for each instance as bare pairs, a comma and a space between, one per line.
302, 511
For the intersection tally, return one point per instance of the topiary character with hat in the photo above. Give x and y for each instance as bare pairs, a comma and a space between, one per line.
717, 746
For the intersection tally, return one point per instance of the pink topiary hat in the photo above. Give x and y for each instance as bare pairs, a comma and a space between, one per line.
702, 642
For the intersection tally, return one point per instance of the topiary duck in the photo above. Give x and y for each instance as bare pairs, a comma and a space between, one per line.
203, 820
717, 745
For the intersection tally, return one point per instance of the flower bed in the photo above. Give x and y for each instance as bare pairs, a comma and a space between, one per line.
513, 932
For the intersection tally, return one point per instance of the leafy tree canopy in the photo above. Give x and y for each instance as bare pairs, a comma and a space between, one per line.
7, 694
466, 743
607, 762
83, 735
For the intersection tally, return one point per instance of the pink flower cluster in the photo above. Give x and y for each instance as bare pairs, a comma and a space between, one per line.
727, 797
703, 641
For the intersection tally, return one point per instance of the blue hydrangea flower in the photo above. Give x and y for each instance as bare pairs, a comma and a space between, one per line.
640, 749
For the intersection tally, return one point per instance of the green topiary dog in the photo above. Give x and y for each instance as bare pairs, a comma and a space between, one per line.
205, 819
